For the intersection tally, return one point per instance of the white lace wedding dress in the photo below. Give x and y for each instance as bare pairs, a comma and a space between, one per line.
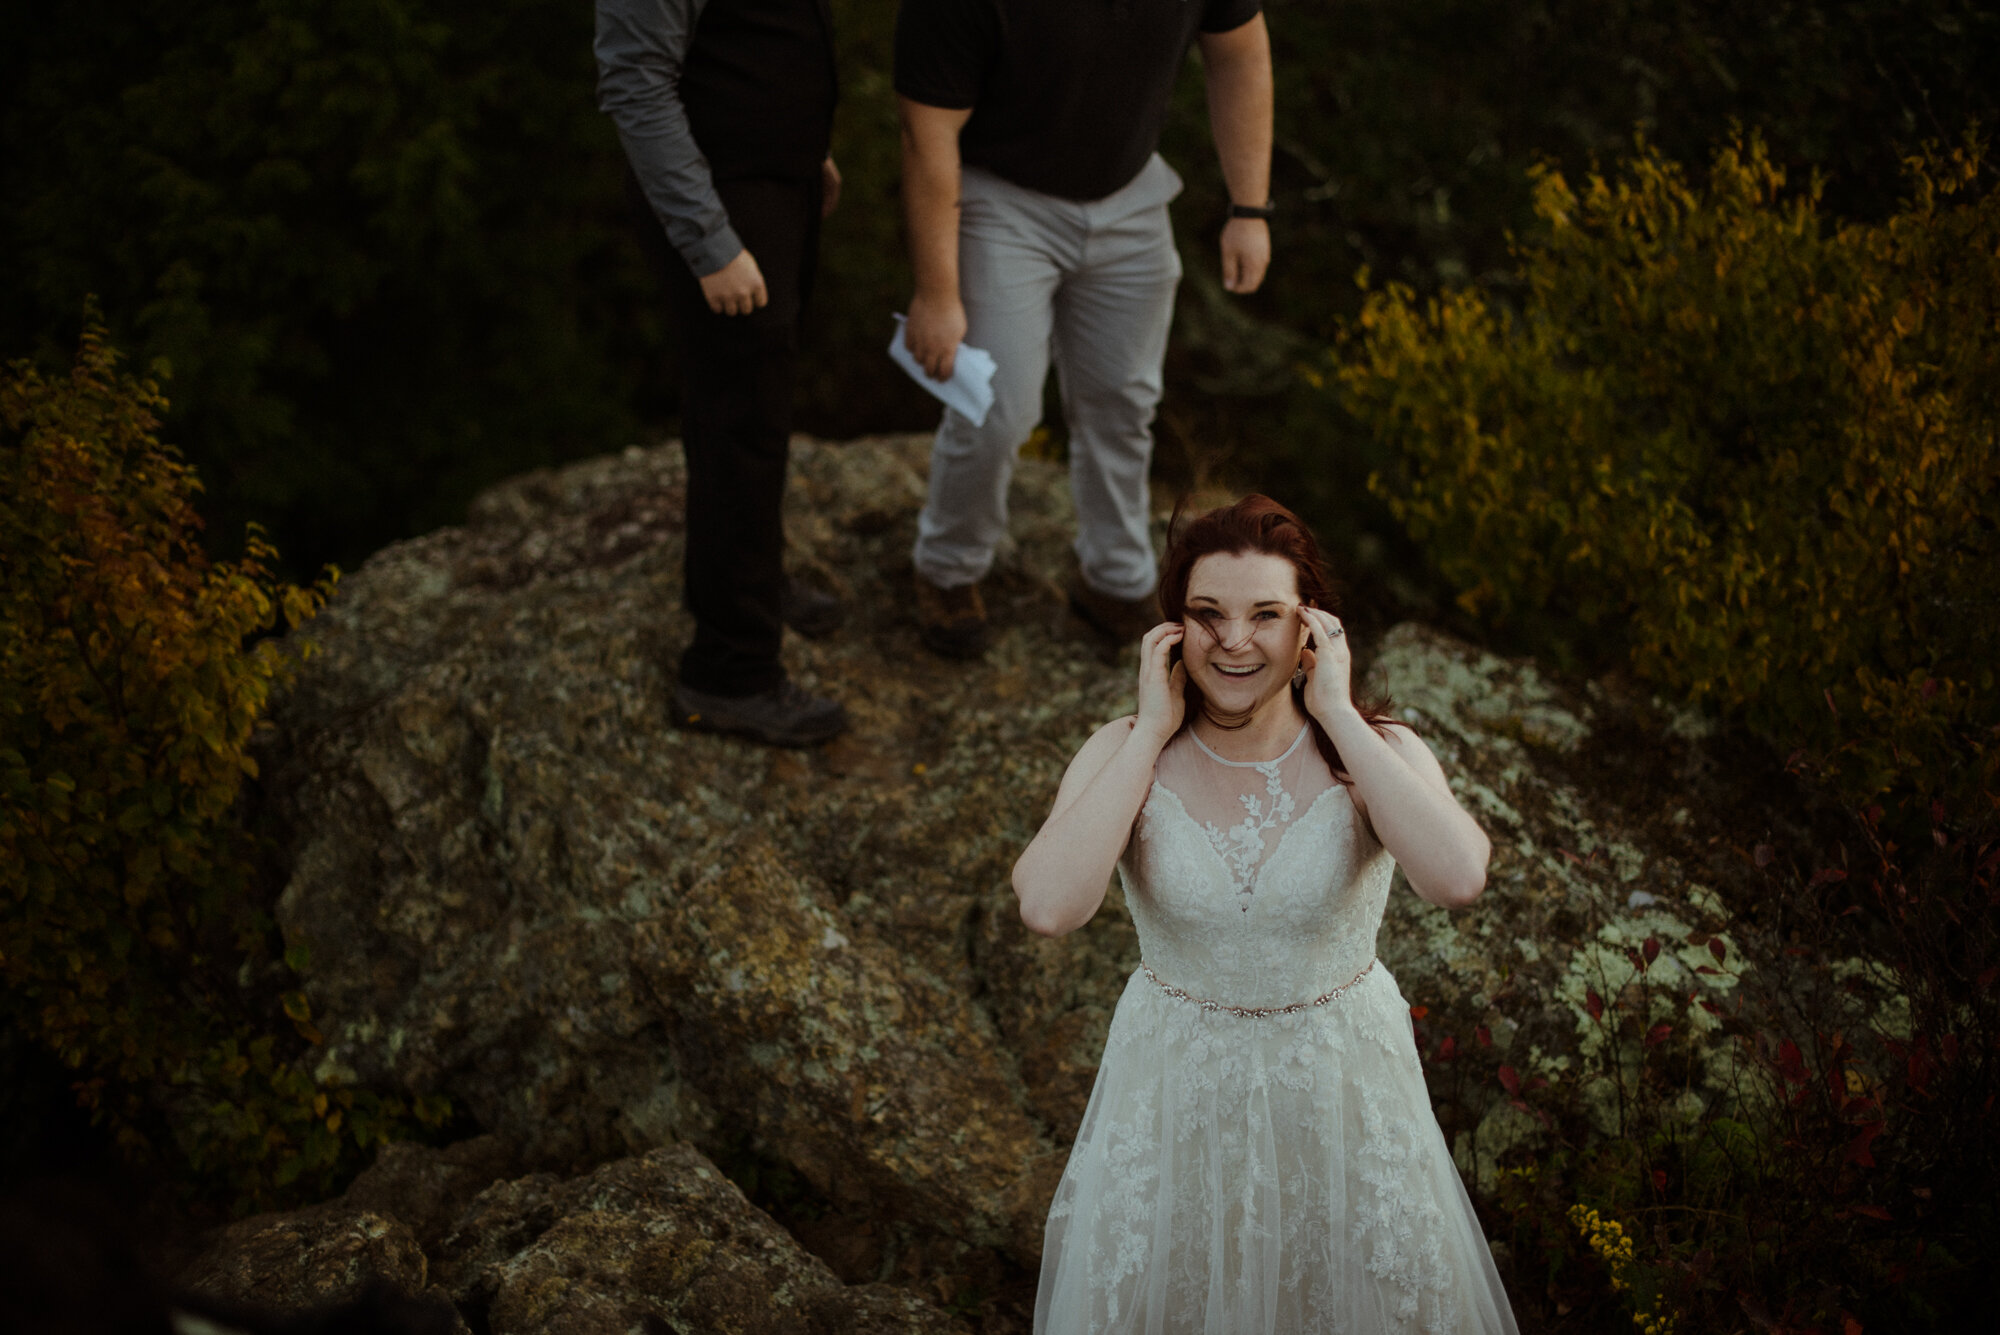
1259, 1155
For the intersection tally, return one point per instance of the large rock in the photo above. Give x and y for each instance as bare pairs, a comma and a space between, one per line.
658, 1242
507, 864
324, 1256
662, 1241
522, 887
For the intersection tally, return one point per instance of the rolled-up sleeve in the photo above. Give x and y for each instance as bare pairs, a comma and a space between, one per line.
640, 47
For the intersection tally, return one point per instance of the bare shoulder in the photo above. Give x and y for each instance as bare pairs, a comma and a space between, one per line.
1107, 739
1408, 743
1092, 757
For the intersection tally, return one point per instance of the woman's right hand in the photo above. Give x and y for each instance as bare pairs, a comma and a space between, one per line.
1162, 684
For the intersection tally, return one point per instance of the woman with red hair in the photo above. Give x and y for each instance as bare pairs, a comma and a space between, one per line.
1259, 1154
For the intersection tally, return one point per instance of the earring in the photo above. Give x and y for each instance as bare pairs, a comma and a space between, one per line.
1299, 677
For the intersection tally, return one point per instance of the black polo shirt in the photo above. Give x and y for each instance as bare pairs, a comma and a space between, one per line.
1067, 96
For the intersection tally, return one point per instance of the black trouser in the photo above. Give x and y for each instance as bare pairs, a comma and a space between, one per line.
736, 423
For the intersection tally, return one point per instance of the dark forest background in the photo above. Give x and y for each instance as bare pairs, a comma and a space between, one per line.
380, 254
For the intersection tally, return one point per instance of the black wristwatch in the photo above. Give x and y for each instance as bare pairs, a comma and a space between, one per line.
1266, 211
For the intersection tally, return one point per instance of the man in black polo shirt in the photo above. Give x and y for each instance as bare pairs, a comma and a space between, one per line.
725, 109
1037, 210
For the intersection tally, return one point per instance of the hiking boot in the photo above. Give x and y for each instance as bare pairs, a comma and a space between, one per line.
808, 611
1121, 620
951, 622
782, 716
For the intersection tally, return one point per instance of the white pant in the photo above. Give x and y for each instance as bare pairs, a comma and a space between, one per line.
1093, 284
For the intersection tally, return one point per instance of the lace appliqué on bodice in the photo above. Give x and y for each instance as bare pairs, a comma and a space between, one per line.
1241, 846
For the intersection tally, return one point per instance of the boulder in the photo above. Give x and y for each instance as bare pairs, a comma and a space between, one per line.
328, 1254
507, 864
659, 1242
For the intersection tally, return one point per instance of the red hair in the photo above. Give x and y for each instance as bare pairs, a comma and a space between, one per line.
1261, 525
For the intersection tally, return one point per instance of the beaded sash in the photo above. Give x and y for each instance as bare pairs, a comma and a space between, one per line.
1254, 1012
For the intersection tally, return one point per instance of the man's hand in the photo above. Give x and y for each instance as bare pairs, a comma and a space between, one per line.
1246, 254
829, 187
737, 288
931, 179
934, 329
1239, 111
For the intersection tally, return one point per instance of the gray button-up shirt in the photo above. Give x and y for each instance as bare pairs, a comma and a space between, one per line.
640, 47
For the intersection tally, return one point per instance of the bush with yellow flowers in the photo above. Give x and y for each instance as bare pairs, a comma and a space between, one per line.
1751, 451
133, 671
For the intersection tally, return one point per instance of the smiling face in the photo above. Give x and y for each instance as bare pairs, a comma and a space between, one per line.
1244, 632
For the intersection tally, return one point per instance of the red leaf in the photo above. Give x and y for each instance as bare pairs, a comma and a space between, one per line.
1709, 970
1652, 948
1419, 1012
1718, 949
1594, 1004
1762, 854
1987, 976
1857, 1152
1710, 1007
1792, 1063
1659, 1179
1447, 1049
1874, 1212
1848, 1325
1826, 875
1484, 1035
1510, 1081
1658, 1034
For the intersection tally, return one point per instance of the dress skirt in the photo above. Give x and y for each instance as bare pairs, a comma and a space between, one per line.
1269, 1175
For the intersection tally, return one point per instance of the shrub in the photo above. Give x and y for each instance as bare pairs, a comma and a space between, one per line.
132, 673
1750, 452
1813, 1148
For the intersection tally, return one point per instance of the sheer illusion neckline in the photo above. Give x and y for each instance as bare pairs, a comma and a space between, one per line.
1250, 764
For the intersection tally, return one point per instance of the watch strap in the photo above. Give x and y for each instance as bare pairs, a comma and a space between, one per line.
1264, 211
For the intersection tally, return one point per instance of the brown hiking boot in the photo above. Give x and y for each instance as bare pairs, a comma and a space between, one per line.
1120, 620
951, 622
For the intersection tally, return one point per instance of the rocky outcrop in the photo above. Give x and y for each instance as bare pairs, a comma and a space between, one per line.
509, 869
521, 886
661, 1241
326, 1256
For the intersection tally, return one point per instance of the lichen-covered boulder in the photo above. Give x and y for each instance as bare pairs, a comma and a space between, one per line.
504, 855
662, 1241
316, 1257
885, 1086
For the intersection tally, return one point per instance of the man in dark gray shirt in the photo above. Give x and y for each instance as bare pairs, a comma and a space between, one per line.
1038, 223
725, 110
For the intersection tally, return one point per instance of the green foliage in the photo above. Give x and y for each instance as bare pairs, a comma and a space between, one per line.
381, 244
1405, 131
1755, 454
133, 671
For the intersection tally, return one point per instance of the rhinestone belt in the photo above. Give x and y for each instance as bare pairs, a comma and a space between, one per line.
1255, 1012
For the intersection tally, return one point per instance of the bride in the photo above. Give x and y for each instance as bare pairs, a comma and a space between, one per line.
1259, 1154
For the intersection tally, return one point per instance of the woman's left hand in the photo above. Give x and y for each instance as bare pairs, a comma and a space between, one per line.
1328, 667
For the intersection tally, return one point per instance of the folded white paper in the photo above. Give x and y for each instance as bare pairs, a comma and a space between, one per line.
970, 389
